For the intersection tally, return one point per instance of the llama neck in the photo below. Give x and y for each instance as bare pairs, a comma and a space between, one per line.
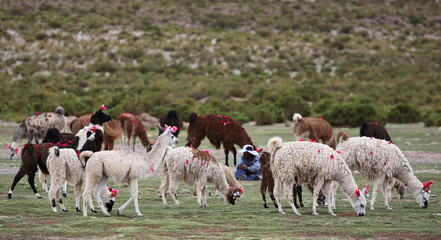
157, 154
348, 185
413, 184
20, 133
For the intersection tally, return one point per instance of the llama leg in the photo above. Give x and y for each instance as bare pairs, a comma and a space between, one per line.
390, 188
294, 190
42, 177
317, 187
377, 183
97, 193
134, 142
327, 191
384, 190
164, 187
20, 174
77, 196
31, 178
334, 188
120, 209
271, 192
173, 188
199, 193
53, 195
204, 196
277, 187
64, 190
287, 188
91, 184
134, 194
60, 201
226, 157
263, 187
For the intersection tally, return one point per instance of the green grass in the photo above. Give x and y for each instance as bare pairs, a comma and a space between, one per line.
26, 217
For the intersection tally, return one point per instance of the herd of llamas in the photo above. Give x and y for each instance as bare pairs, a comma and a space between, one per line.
87, 160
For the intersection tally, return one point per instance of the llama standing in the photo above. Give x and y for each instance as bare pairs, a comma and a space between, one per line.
267, 182
316, 164
170, 119
218, 129
373, 129
65, 166
112, 131
194, 167
378, 161
313, 128
131, 129
120, 167
34, 157
36, 126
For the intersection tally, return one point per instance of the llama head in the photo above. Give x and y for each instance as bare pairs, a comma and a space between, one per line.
98, 118
360, 203
423, 197
342, 136
109, 198
13, 150
168, 133
233, 194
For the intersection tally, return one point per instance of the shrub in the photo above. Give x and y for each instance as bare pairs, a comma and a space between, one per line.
405, 113
353, 114
265, 117
290, 104
432, 118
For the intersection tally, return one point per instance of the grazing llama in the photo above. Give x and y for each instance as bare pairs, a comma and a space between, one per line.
378, 161
64, 165
316, 164
194, 167
218, 129
131, 129
373, 129
120, 167
36, 126
313, 128
170, 119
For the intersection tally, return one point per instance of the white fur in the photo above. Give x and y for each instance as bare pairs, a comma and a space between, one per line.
379, 160
180, 164
315, 163
67, 167
121, 167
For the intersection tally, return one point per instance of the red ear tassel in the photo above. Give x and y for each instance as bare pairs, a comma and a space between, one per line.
357, 192
427, 184
367, 191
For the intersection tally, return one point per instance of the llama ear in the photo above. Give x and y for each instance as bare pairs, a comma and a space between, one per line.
167, 131
365, 191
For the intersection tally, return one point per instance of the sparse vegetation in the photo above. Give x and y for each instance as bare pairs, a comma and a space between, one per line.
61, 52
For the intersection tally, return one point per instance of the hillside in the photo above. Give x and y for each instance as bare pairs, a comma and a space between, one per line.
251, 60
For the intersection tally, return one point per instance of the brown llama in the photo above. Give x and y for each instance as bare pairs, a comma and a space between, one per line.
112, 129
132, 128
313, 128
170, 119
218, 129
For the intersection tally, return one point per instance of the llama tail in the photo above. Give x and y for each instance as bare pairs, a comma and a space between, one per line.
274, 143
84, 156
59, 110
54, 151
296, 118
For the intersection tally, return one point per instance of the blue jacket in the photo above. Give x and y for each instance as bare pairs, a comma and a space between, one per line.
253, 165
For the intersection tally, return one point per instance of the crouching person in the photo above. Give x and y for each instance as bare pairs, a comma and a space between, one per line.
248, 168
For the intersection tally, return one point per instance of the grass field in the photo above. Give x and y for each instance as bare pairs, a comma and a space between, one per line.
25, 217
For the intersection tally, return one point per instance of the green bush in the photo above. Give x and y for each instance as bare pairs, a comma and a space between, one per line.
432, 118
405, 113
353, 114
265, 117
290, 104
